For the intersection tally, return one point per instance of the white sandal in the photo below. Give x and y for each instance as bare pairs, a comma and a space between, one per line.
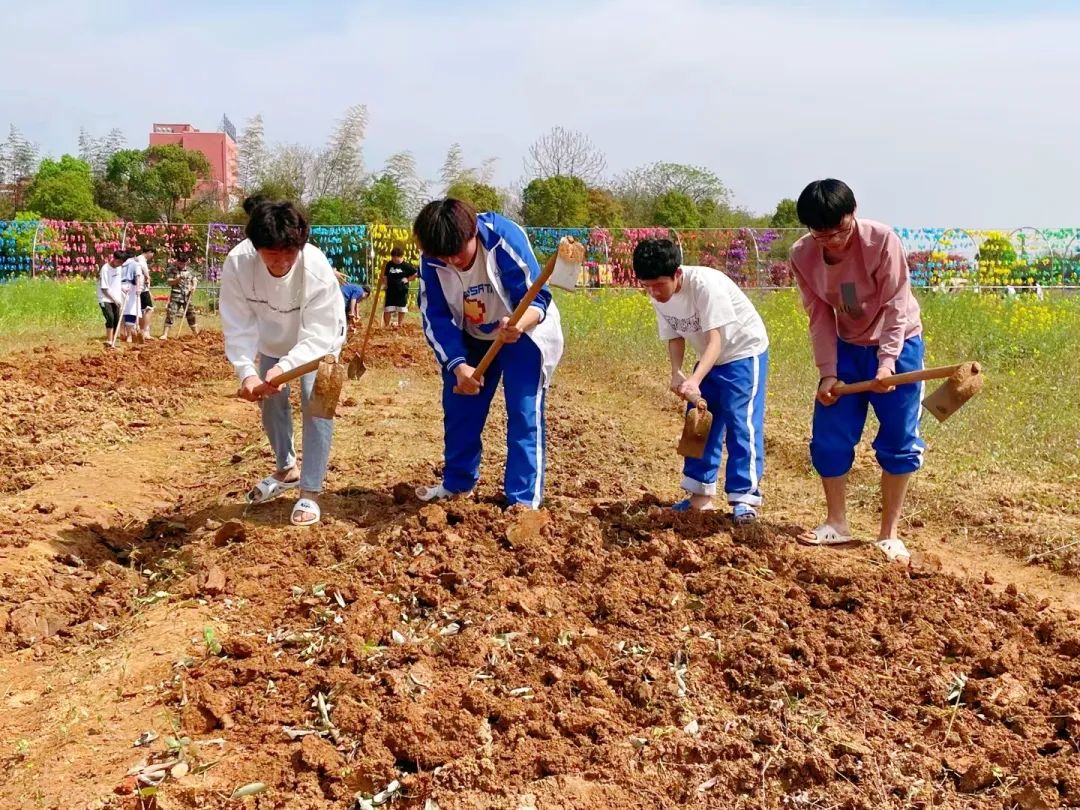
824, 535
305, 505
894, 550
268, 489
439, 493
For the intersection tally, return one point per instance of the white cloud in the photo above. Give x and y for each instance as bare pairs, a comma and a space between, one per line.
933, 120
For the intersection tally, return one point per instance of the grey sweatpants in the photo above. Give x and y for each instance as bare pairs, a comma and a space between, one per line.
278, 423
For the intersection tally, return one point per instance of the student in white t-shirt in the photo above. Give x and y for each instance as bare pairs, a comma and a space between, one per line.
704, 306
110, 294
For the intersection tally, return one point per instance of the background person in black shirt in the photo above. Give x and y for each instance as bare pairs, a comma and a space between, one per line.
398, 275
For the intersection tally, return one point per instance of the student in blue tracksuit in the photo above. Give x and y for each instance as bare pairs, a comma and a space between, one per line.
705, 307
474, 271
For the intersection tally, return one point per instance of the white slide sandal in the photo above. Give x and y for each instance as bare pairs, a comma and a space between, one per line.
305, 505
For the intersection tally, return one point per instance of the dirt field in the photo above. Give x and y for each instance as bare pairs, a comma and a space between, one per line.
601, 653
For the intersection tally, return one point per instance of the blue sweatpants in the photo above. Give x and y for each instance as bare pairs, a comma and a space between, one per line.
735, 393
521, 368
838, 427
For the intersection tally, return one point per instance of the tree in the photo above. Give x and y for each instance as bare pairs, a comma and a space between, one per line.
453, 168
383, 202
567, 153
64, 189
287, 173
604, 210
556, 202
785, 215
161, 179
251, 158
455, 172
18, 157
675, 209
639, 189
339, 169
333, 211
97, 152
480, 196
401, 168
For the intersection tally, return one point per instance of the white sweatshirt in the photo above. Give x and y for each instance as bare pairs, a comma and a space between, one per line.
296, 318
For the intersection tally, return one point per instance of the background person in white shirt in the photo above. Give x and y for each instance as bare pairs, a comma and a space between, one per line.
111, 294
280, 302
707, 308
146, 298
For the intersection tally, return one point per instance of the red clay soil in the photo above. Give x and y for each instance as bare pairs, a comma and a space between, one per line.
55, 407
602, 653
632, 656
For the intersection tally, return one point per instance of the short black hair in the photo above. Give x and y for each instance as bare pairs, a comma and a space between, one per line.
148, 249
824, 203
120, 255
444, 226
656, 258
277, 225
396, 252
253, 202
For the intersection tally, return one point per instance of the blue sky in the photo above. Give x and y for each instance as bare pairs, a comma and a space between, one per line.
937, 113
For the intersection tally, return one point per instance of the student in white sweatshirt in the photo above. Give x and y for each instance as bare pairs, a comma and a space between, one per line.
280, 307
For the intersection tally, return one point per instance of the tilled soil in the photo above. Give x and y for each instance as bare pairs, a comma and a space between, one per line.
477, 656
603, 652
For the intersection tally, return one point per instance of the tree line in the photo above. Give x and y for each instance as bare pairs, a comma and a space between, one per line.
564, 183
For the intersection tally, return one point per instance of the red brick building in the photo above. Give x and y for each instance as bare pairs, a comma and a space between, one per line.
219, 149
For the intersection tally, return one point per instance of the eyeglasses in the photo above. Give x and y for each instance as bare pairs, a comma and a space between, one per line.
818, 236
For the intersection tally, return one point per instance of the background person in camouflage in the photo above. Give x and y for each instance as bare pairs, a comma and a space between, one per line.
183, 281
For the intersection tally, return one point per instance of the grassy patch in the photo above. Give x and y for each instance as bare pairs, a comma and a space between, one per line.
35, 311
1027, 420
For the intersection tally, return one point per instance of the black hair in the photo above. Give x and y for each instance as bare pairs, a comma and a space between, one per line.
121, 255
396, 252
824, 203
253, 202
277, 225
656, 258
444, 226
148, 249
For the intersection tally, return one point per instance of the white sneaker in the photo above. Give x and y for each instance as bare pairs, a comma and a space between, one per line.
440, 493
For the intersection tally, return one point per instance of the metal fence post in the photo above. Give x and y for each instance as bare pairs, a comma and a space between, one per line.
33, 249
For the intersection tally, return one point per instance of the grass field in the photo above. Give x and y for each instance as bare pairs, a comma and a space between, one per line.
33, 311
1025, 420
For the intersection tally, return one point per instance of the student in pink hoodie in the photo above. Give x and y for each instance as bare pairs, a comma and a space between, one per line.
864, 325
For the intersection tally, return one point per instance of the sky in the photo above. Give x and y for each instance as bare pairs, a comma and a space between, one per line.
952, 113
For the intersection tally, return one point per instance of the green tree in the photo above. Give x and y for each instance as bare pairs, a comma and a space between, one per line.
785, 215
64, 189
160, 180
605, 210
383, 202
556, 202
334, 210
480, 196
674, 209
639, 190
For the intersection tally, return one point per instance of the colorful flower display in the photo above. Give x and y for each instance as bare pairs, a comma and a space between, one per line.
753, 257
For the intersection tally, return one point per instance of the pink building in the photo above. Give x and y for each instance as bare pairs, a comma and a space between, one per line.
219, 149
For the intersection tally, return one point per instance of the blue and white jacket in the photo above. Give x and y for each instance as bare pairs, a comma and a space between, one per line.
512, 268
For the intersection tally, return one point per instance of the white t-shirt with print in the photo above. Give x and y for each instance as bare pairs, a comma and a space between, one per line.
482, 305
708, 300
109, 289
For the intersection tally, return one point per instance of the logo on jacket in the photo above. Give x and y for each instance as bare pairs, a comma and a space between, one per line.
475, 311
